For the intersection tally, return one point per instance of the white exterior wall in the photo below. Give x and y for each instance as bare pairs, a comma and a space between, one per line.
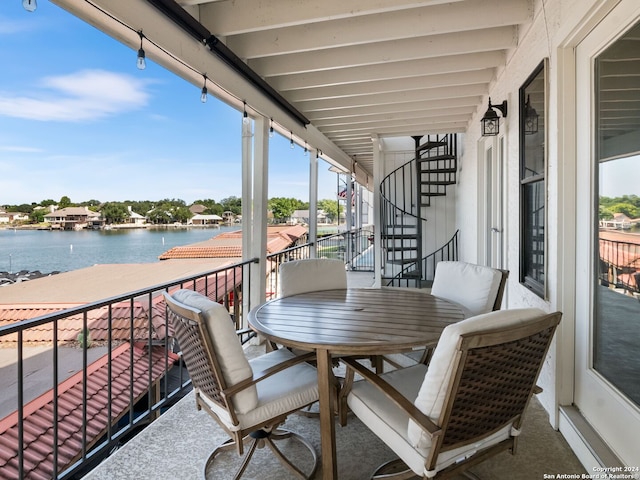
554, 21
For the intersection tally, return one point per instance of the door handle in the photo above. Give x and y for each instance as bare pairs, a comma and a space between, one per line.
495, 230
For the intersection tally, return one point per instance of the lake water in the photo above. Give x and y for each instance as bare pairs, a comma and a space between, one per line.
50, 251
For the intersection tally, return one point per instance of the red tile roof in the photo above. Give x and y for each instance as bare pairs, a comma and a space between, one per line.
229, 244
97, 323
38, 414
219, 251
215, 286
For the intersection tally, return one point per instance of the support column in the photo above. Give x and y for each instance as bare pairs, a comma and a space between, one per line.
247, 227
313, 202
378, 174
258, 246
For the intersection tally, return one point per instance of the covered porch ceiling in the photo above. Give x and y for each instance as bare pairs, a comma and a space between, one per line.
349, 70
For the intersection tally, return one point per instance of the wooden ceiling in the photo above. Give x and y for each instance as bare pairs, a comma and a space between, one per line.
356, 69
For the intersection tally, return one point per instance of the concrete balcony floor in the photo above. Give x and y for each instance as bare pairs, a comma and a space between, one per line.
179, 442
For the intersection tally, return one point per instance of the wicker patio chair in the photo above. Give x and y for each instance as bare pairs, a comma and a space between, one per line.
466, 405
478, 289
249, 399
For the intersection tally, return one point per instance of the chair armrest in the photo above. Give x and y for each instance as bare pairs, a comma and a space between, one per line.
396, 397
259, 376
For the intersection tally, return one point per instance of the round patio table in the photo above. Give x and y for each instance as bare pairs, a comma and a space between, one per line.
367, 321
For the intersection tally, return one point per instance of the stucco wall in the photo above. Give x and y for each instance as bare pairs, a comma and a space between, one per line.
552, 22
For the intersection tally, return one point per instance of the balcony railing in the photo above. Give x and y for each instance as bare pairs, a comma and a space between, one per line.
64, 431
71, 424
620, 265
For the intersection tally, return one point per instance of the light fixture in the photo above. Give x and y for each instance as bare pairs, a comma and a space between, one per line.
245, 116
530, 118
491, 121
292, 145
203, 96
271, 133
141, 64
29, 5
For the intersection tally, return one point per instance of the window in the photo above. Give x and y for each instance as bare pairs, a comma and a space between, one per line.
532, 106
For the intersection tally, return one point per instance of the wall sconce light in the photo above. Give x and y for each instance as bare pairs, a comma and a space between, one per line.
530, 118
491, 121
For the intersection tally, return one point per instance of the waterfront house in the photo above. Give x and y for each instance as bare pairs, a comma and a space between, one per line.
12, 217
481, 129
77, 218
302, 216
201, 219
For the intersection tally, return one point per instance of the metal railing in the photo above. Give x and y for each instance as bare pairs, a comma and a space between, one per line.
620, 265
354, 248
449, 251
113, 402
140, 373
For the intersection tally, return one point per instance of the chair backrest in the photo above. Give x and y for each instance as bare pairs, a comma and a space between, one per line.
481, 376
210, 348
475, 287
504, 275
312, 275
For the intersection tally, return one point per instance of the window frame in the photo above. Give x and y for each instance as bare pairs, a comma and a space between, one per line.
527, 252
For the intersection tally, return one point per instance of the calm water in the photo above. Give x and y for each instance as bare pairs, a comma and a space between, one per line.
49, 251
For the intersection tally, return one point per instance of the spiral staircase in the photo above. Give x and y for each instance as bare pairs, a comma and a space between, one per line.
405, 193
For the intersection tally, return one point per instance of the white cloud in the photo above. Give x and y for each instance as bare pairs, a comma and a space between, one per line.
19, 149
81, 96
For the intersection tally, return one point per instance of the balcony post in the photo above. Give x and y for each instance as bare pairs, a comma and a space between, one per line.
258, 248
313, 202
378, 175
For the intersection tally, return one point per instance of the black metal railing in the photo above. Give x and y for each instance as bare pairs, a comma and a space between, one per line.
620, 265
140, 374
449, 251
354, 248
113, 401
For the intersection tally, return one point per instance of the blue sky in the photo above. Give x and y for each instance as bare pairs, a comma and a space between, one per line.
77, 118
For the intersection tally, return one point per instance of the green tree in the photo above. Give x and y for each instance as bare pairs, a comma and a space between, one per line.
114, 212
37, 216
64, 202
282, 208
232, 204
331, 208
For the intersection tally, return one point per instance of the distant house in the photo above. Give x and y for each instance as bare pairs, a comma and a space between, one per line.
136, 218
77, 218
12, 217
619, 221
302, 216
200, 219
197, 208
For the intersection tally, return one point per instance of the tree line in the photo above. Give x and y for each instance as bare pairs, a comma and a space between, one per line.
627, 204
172, 210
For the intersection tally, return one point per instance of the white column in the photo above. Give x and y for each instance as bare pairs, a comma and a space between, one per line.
378, 174
247, 223
258, 247
313, 201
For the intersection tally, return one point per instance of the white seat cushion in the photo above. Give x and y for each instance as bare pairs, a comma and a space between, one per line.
278, 394
389, 422
233, 362
431, 396
310, 275
474, 287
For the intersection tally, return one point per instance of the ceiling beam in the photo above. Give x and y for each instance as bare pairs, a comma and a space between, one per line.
499, 38
391, 26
